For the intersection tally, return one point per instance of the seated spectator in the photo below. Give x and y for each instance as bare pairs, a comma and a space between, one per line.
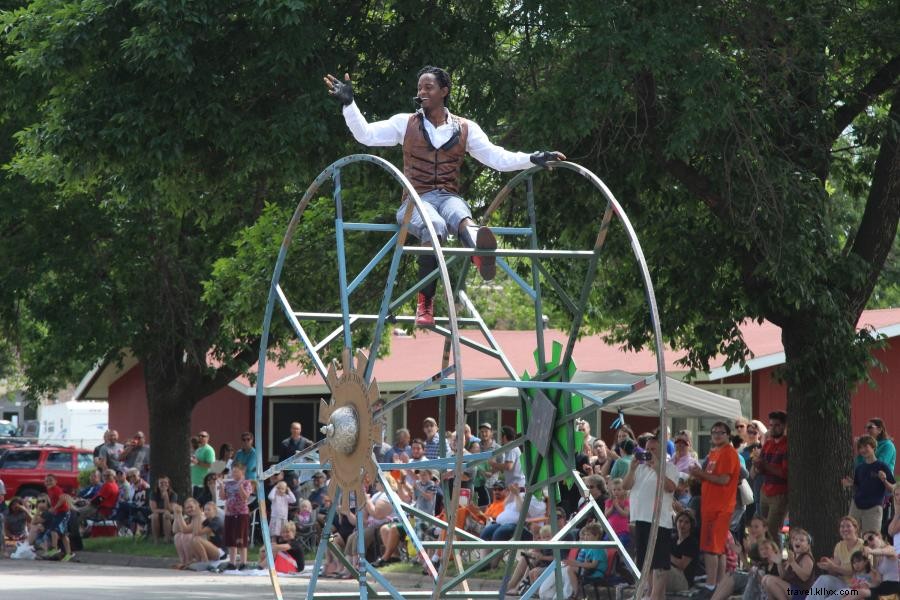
377, 511
39, 532
597, 488
756, 533
135, 513
590, 563
209, 491
209, 545
17, 521
287, 549
837, 571
796, 573
317, 489
95, 482
305, 516
769, 553
188, 523
162, 510
685, 554
104, 502
886, 565
531, 563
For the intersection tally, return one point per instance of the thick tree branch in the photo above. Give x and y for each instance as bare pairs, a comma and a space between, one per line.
883, 79
878, 226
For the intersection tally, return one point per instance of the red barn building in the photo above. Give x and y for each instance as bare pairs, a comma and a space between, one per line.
291, 395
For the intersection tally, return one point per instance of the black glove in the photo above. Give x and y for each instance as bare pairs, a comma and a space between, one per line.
343, 91
541, 158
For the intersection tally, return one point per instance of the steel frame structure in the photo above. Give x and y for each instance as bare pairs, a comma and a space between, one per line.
551, 378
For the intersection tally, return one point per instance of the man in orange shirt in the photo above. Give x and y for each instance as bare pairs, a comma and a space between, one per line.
720, 479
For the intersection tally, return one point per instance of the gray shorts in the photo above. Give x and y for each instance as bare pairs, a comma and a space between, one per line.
445, 211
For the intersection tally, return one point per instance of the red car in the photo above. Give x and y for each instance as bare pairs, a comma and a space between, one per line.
23, 468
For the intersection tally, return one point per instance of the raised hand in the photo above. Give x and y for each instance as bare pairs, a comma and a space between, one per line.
342, 90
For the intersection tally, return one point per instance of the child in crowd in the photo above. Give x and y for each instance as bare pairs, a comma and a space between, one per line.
425, 491
531, 563
207, 544
757, 531
281, 498
17, 521
305, 516
287, 549
590, 563
617, 510
236, 494
862, 577
39, 534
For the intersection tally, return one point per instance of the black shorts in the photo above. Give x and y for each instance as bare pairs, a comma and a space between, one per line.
662, 553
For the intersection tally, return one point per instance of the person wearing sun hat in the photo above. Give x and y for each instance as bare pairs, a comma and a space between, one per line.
684, 457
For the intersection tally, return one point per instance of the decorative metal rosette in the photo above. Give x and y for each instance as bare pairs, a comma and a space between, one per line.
350, 428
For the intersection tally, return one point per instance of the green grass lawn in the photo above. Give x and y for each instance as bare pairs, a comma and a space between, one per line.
130, 547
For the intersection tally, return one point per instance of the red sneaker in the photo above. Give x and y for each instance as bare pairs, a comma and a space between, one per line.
487, 265
425, 311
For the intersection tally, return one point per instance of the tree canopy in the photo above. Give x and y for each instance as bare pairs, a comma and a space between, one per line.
154, 150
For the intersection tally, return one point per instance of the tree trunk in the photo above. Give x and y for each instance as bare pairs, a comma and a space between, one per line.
170, 403
819, 433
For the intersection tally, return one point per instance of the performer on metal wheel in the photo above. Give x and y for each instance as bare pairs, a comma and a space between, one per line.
434, 145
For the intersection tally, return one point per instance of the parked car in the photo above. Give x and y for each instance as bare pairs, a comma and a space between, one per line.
11, 434
23, 468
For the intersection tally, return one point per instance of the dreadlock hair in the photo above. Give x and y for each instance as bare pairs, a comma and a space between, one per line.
443, 79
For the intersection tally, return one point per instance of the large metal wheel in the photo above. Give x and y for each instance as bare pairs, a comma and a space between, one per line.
550, 401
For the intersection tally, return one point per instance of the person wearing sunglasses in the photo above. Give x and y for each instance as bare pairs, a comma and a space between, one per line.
719, 481
246, 455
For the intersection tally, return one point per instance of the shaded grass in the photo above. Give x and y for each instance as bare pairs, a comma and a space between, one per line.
127, 546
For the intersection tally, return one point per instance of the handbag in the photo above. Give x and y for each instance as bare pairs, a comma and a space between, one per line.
745, 492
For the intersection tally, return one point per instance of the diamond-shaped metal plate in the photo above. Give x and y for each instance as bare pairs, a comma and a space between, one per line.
543, 418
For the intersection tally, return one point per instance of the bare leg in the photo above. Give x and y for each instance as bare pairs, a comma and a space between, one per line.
659, 585
776, 587
711, 562
521, 567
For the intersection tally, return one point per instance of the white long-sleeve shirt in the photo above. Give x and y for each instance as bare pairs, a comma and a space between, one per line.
392, 131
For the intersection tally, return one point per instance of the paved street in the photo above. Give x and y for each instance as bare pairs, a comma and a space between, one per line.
42, 580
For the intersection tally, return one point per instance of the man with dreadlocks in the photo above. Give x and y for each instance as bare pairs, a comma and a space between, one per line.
434, 145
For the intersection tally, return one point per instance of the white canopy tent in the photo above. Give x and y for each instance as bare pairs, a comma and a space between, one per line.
684, 400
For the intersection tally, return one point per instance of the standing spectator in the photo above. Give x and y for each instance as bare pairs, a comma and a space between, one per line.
425, 492
201, 461
162, 503
433, 440
718, 490
772, 465
625, 432
290, 446
2, 512
246, 455
281, 498
236, 494
110, 452
585, 428
642, 480
740, 428
617, 511
60, 505
97, 449
886, 452
488, 444
509, 466
226, 455
871, 481
626, 456
684, 458
136, 455
401, 446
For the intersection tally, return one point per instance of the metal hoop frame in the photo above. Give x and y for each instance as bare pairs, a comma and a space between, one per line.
554, 380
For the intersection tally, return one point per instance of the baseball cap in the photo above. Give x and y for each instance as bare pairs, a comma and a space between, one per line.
486, 426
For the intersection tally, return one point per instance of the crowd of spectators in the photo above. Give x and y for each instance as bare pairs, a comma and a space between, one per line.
722, 525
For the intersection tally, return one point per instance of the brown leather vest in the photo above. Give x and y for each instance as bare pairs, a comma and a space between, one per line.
429, 168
